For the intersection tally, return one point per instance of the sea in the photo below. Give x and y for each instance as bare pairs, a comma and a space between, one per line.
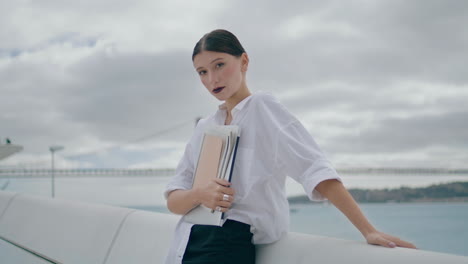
440, 227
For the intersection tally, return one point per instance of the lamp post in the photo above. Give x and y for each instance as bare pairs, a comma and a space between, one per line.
53, 149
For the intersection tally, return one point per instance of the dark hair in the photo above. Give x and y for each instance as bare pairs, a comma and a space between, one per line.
219, 40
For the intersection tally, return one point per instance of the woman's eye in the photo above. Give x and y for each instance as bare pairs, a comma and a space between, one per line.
219, 65
201, 72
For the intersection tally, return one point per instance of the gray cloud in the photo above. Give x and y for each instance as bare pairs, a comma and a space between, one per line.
374, 43
401, 135
125, 95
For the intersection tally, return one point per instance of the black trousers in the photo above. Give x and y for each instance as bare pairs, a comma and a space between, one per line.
231, 243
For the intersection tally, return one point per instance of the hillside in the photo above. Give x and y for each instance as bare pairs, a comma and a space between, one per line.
449, 192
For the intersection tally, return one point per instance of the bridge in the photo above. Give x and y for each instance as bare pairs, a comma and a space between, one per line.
115, 172
85, 172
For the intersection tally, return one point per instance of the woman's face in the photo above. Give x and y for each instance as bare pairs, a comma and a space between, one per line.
221, 73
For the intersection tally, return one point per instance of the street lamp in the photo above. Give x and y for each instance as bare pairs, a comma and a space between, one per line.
53, 149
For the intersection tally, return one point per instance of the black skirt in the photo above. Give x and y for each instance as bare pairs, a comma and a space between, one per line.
231, 243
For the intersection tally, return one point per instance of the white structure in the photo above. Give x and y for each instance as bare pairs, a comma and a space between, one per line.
36, 229
7, 150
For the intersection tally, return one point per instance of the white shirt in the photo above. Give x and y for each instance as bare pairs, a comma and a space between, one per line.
273, 144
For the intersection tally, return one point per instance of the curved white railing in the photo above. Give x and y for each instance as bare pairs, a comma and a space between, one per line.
35, 229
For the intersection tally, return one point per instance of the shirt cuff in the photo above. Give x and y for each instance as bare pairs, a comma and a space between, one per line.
171, 188
316, 177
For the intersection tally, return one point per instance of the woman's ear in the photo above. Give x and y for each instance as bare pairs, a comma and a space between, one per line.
244, 62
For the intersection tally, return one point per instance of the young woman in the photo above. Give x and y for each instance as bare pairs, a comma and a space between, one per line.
273, 145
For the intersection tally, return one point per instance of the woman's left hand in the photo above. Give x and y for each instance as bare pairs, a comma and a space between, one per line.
385, 240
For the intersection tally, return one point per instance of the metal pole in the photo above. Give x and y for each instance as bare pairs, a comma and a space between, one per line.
52, 152
53, 175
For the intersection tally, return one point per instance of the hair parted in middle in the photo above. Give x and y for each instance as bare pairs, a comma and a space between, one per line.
219, 40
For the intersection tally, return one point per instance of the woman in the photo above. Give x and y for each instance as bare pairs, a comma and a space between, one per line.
273, 144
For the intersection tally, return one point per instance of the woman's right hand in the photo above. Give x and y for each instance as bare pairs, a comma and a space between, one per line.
213, 193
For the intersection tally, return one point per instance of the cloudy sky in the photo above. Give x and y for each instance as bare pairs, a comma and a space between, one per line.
377, 83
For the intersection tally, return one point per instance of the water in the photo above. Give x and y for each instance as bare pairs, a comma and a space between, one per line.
440, 227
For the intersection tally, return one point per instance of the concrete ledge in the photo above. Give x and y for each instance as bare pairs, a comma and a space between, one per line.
304, 248
75, 232
60, 230
5, 199
12, 254
144, 238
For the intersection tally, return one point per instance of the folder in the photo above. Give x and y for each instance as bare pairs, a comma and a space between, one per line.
216, 160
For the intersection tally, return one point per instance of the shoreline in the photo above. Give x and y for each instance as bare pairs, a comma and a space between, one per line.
454, 192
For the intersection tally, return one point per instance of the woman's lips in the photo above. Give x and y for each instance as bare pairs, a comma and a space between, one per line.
218, 89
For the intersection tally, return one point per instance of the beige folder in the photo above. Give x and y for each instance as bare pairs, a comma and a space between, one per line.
216, 160
208, 162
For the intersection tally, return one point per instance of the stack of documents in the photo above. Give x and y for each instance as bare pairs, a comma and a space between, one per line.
216, 160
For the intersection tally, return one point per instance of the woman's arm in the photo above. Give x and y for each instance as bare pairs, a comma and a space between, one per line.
337, 194
182, 201
211, 195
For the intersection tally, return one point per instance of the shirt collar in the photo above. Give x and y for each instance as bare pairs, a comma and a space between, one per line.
236, 108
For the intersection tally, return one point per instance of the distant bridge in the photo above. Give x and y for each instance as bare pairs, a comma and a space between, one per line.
100, 172
404, 171
17, 172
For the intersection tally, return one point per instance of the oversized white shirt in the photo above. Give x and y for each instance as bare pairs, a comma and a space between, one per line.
273, 144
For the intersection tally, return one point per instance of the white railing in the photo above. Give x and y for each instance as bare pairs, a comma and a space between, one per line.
35, 229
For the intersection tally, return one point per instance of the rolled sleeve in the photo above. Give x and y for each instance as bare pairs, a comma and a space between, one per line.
300, 157
183, 178
321, 171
